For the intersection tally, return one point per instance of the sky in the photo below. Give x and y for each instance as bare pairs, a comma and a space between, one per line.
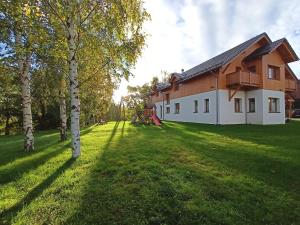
185, 33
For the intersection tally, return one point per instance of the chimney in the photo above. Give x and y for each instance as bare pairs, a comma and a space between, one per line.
182, 70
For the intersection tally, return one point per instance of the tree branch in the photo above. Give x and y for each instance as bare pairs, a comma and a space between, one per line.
90, 77
54, 12
90, 13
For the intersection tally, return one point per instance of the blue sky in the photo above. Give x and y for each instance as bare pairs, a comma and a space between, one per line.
184, 33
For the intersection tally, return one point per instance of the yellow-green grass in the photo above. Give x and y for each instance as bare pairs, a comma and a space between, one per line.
179, 173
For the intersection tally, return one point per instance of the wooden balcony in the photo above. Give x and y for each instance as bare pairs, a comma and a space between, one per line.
241, 78
290, 85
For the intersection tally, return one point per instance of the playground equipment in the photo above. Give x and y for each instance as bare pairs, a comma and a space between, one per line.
143, 113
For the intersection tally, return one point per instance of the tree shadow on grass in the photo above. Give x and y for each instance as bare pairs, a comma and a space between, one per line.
139, 181
12, 146
11, 150
15, 171
8, 214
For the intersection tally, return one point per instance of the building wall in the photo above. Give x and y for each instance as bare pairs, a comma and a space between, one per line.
273, 59
257, 116
227, 114
273, 118
187, 113
201, 84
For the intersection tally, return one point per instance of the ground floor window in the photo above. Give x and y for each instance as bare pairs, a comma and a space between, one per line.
274, 105
238, 105
177, 108
251, 105
195, 106
206, 105
168, 110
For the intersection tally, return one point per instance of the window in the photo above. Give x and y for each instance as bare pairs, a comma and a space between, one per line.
238, 105
206, 105
195, 106
273, 72
251, 105
168, 99
157, 94
273, 105
252, 69
168, 110
177, 108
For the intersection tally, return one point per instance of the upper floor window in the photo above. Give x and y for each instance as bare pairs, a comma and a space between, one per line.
177, 108
238, 105
168, 99
273, 72
157, 94
206, 105
252, 69
251, 105
195, 106
168, 110
274, 105
176, 87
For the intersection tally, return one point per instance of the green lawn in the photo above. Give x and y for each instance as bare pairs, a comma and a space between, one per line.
179, 173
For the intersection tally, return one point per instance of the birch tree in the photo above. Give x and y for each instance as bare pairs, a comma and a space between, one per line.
115, 29
17, 34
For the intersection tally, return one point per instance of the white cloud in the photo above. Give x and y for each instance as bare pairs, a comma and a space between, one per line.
184, 33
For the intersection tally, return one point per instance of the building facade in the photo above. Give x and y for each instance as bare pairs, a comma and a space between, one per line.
248, 84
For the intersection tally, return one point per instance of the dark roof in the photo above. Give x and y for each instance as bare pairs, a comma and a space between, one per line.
269, 48
161, 86
222, 59
265, 49
215, 62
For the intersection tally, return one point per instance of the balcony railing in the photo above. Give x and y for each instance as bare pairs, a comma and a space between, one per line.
290, 85
242, 78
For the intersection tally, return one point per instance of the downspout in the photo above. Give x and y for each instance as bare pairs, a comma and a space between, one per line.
217, 99
246, 111
163, 110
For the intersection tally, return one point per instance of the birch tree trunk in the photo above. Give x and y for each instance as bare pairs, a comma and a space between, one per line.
24, 63
74, 88
24, 66
62, 110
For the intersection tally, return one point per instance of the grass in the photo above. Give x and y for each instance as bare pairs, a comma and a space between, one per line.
179, 173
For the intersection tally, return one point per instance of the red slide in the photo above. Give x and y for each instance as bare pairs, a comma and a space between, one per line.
156, 120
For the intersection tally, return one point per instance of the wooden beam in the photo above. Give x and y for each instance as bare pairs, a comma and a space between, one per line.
232, 92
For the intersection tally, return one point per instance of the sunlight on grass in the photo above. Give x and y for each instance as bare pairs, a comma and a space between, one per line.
178, 173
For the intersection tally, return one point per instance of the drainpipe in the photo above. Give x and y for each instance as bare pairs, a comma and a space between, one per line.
217, 99
246, 111
163, 110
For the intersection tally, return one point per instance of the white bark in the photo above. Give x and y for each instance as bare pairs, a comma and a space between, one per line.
63, 110
24, 63
74, 88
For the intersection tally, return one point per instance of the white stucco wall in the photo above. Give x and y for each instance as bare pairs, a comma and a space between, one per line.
186, 113
226, 108
257, 116
227, 115
273, 118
